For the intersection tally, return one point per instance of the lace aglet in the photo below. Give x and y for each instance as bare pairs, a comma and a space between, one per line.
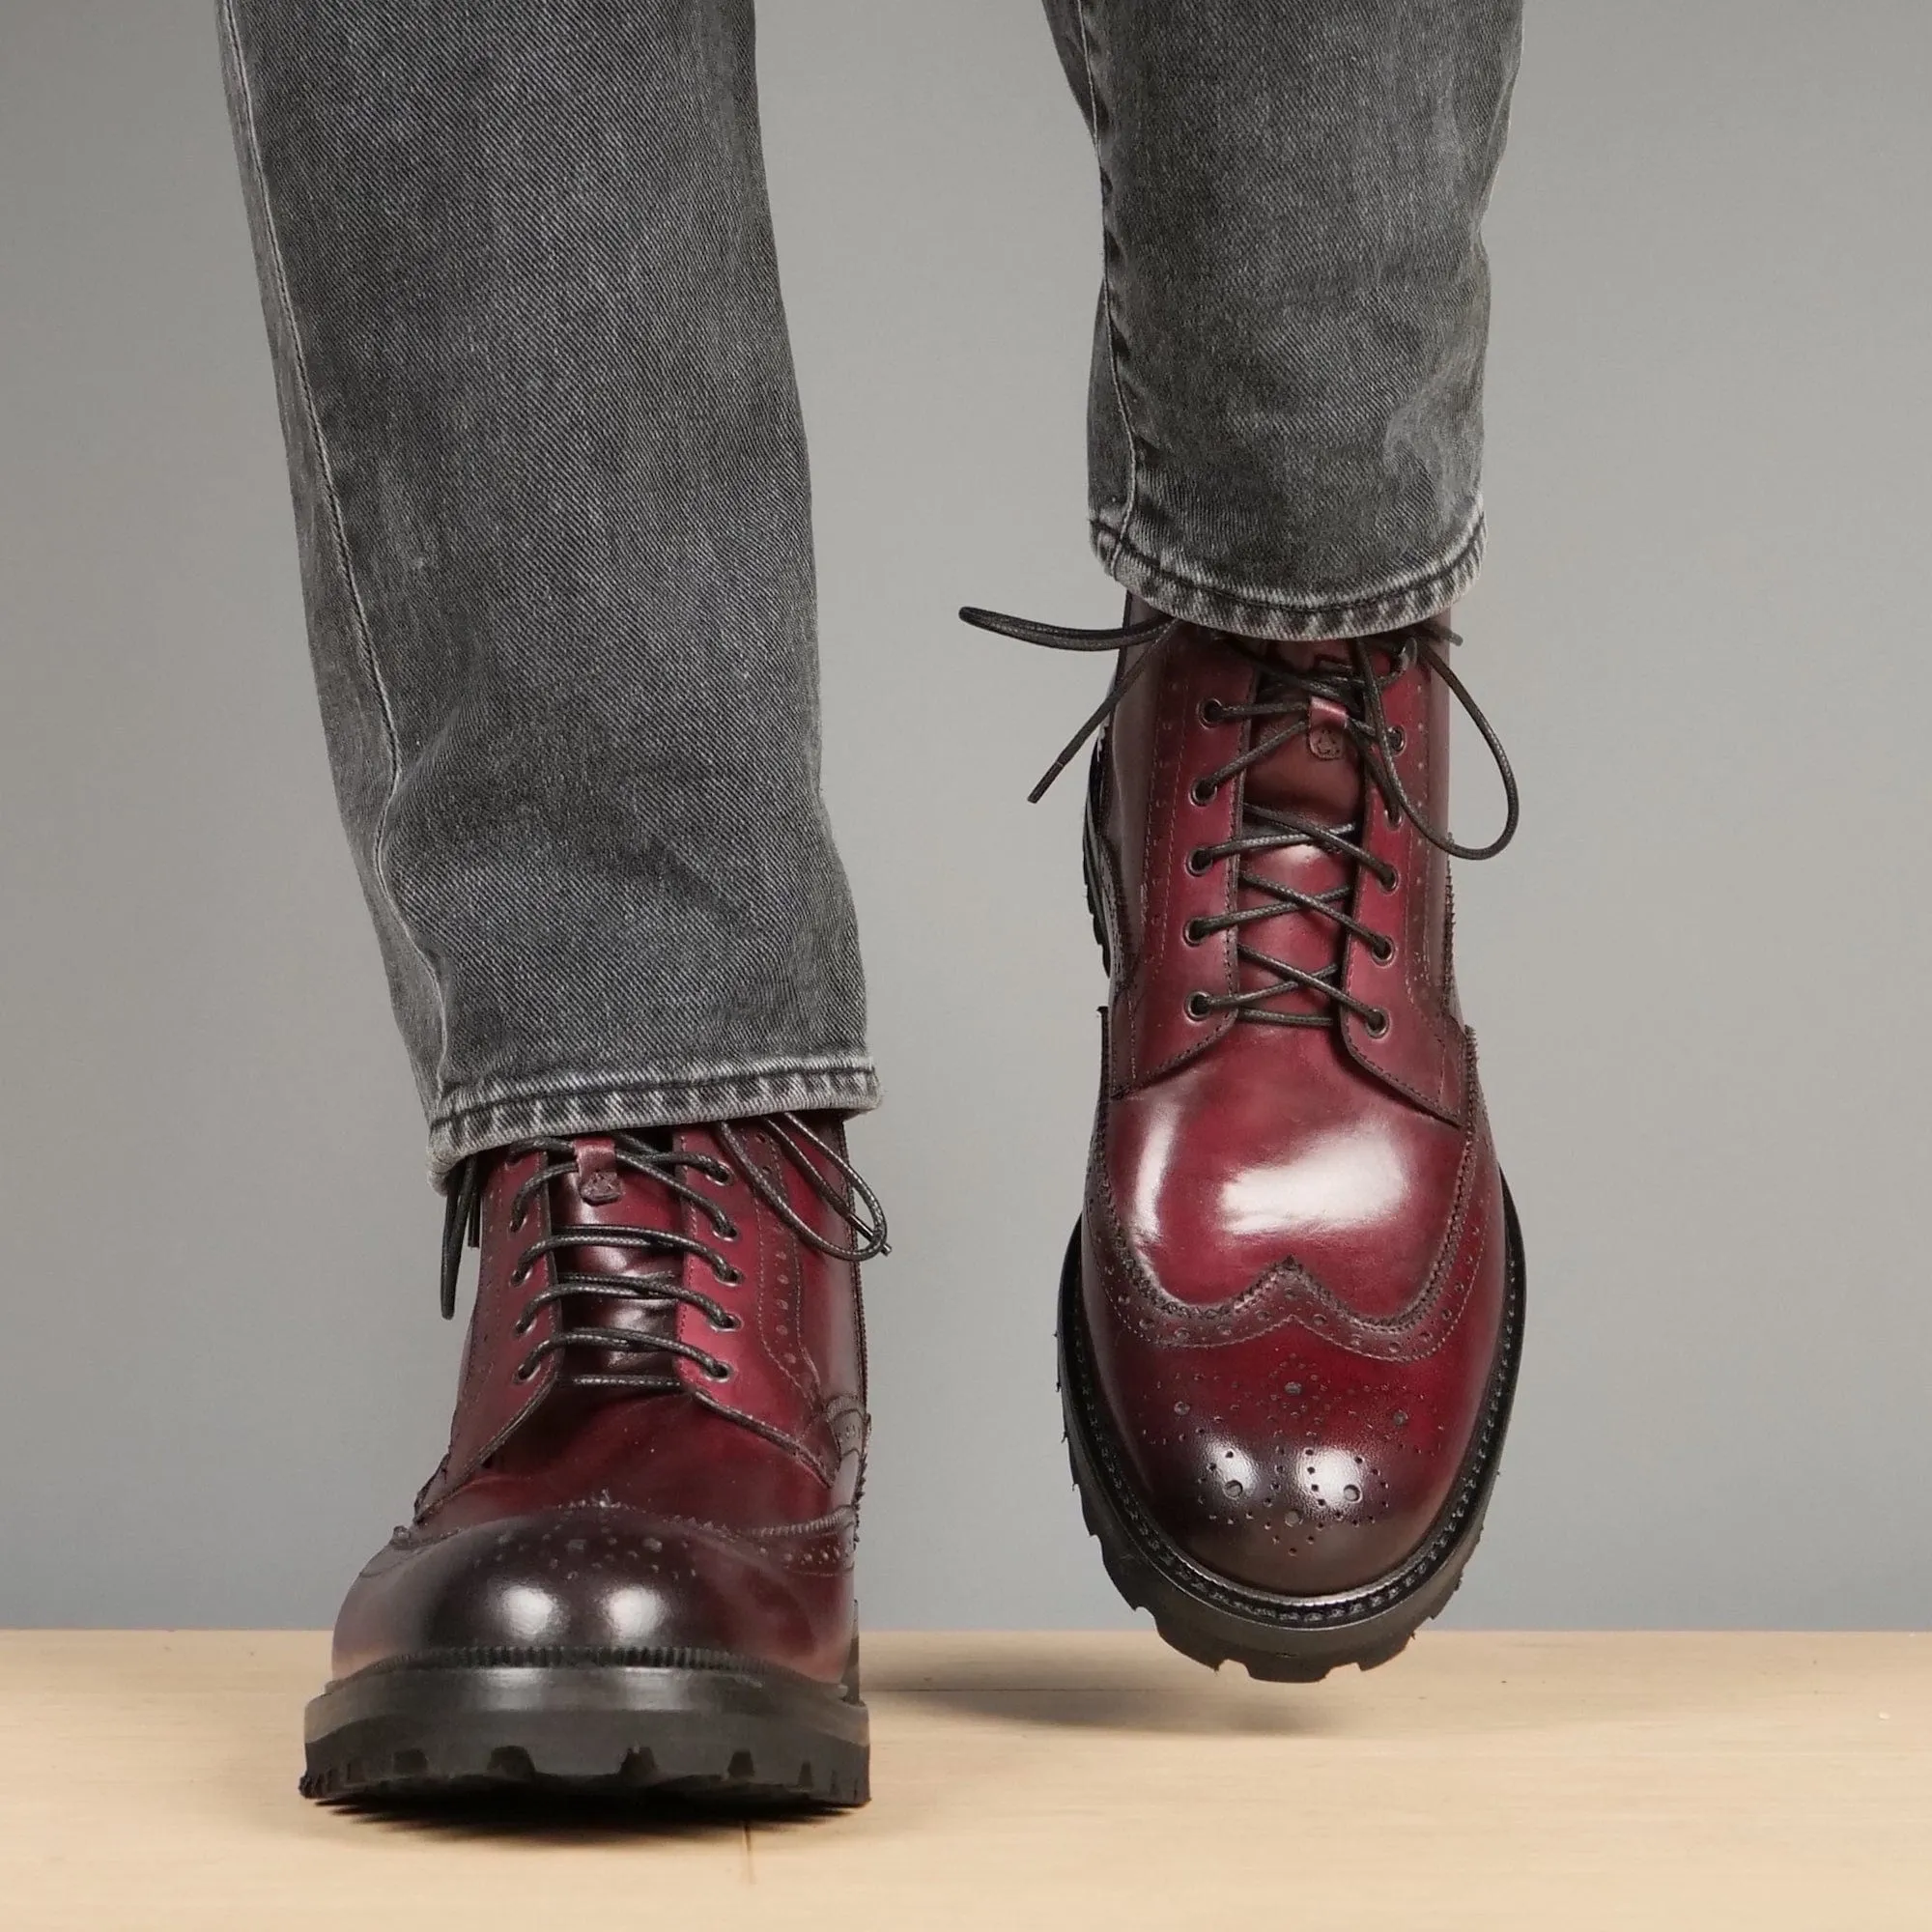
1053, 771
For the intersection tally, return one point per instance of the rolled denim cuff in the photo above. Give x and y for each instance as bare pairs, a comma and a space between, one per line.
567, 1106
1181, 587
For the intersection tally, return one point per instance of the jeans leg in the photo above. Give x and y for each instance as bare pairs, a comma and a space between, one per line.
1286, 420
555, 529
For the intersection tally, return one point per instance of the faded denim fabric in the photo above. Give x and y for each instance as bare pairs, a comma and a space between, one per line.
552, 498
555, 539
1284, 426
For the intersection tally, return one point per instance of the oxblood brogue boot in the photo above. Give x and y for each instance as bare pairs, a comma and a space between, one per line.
1290, 1315
633, 1571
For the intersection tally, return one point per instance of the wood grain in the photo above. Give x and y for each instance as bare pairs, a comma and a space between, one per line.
147, 1780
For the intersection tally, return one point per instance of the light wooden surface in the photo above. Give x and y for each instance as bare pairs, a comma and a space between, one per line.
147, 1780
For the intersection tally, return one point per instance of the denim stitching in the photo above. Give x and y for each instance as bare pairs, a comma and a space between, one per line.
847, 1086
1226, 609
1107, 289
345, 560
1465, 555
565, 1082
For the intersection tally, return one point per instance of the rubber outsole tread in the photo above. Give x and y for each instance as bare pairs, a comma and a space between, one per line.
739, 1739
418, 1776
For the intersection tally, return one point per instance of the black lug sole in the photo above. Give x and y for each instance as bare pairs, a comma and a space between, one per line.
1215, 1620
726, 1732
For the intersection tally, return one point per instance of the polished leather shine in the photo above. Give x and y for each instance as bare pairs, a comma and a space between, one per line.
714, 1514
1292, 1248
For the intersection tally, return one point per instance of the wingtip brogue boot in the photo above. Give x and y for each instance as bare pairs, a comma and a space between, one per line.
633, 1571
1291, 1310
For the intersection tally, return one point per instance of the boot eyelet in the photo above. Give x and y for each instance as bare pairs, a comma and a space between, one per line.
1377, 1025
1382, 951
1202, 792
719, 1372
731, 1324
1197, 1005
517, 1222
523, 1372
731, 1277
1193, 932
1198, 862
1210, 711
730, 1232
520, 1327
1391, 881
1398, 740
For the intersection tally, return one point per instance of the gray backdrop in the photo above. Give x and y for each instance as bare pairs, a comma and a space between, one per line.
1700, 978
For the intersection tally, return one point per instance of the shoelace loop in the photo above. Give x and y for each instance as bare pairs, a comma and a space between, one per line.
1288, 701
853, 1202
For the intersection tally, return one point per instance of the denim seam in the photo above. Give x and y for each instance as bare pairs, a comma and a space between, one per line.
338, 529
482, 1097
580, 1106
1444, 578
1107, 292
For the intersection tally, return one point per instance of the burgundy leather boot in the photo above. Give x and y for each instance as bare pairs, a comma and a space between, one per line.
634, 1569
1290, 1315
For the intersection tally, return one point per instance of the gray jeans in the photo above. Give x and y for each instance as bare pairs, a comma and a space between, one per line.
550, 486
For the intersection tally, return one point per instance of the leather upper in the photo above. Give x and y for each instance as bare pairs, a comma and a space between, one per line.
1293, 1243
716, 1511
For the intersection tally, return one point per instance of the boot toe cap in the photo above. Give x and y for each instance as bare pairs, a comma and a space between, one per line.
576, 1582
1295, 1518
1336, 1501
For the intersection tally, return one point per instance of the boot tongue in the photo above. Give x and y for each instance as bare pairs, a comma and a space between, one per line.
1315, 777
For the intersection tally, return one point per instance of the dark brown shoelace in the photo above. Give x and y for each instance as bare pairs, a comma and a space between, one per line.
1283, 708
665, 1166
